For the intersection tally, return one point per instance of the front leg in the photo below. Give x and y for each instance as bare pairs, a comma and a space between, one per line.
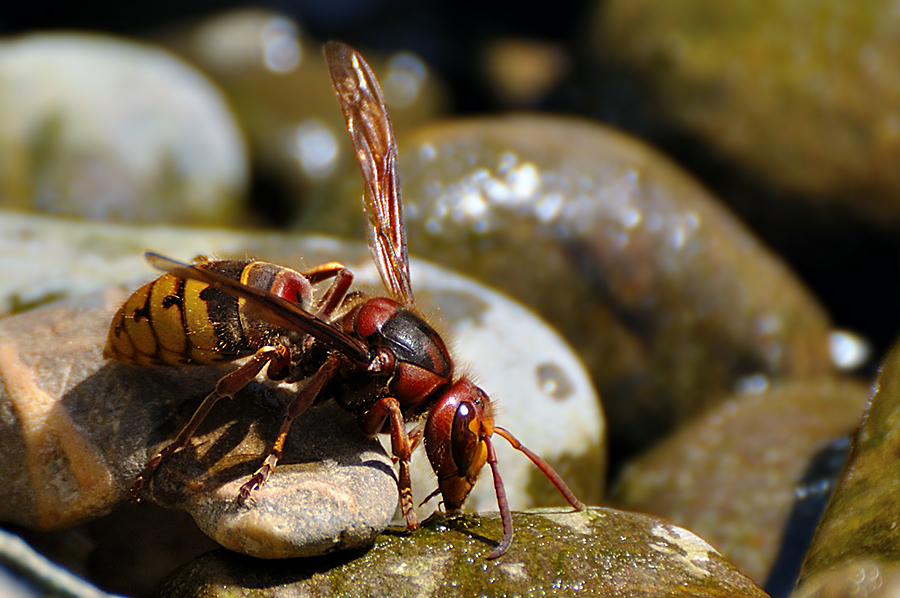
372, 422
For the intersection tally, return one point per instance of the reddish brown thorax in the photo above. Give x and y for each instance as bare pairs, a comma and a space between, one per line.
419, 360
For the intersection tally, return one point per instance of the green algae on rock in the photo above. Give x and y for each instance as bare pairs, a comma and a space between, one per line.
858, 539
802, 93
600, 552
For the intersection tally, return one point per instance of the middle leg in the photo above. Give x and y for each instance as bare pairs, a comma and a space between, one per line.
300, 404
371, 422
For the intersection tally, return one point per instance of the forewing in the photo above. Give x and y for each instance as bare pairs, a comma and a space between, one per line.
269, 307
373, 140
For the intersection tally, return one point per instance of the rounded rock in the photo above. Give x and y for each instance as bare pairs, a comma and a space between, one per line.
731, 475
856, 549
667, 297
126, 132
601, 552
766, 82
327, 496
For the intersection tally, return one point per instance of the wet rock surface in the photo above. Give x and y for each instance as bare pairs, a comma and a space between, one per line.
856, 550
556, 552
731, 476
107, 129
609, 236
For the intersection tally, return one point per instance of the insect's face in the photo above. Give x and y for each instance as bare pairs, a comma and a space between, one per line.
455, 440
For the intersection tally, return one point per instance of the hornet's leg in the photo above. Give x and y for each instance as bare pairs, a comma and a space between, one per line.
335, 294
301, 403
371, 422
323, 272
226, 387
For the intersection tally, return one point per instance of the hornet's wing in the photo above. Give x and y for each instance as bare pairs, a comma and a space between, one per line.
370, 130
266, 306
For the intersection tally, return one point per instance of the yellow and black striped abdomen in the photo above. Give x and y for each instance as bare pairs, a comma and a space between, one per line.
173, 321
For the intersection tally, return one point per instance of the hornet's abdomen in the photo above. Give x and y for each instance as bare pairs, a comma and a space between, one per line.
173, 321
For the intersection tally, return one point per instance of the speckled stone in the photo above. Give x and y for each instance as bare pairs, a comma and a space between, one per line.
556, 553
334, 490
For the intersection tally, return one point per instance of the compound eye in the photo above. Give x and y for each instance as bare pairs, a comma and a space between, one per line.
464, 438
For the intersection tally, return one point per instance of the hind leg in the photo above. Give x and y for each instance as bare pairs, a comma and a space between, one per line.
226, 387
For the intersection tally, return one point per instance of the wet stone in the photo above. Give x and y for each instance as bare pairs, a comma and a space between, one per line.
667, 297
856, 549
601, 552
732, 475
